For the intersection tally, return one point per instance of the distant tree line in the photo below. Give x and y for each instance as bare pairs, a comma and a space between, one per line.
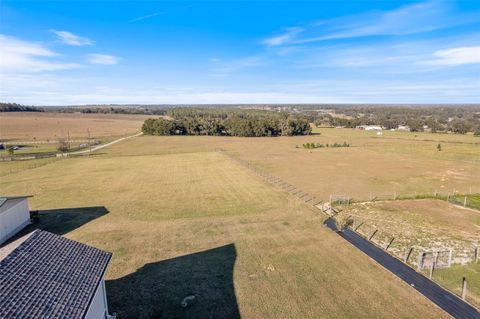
222, 122
14, 107
453, 119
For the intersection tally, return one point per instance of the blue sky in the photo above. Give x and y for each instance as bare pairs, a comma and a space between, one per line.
79, 52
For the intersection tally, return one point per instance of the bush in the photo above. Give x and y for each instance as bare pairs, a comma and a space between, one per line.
318, 145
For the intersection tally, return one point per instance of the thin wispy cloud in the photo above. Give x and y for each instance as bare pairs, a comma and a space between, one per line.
70, 38
285, 37
411, 19
456, 56
103, 59
22, 56
148, 16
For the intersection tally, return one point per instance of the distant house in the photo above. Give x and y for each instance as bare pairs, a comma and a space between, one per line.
369, 127
43, 275
405, 128
14, 216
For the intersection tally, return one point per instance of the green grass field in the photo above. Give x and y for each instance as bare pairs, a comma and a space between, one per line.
182, 219
452, 279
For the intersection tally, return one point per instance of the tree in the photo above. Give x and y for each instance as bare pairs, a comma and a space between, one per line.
63, 145
10, 150
439, 147
460, 126
415, 125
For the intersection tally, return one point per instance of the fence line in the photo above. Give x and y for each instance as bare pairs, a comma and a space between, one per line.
354, 224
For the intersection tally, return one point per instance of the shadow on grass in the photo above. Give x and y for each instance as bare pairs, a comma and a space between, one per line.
64, 220
157, 289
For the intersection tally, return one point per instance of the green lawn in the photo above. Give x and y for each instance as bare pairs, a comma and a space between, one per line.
452, 279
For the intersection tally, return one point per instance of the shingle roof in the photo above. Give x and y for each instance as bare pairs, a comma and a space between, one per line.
50, 276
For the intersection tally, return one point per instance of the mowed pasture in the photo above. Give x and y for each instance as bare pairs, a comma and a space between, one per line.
49, 126
194, 222
405, 164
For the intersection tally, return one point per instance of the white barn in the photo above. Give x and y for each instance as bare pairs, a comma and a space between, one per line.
14, 216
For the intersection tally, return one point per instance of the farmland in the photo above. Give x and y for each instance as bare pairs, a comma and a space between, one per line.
45, 126
183, 218
407, 164
194, 222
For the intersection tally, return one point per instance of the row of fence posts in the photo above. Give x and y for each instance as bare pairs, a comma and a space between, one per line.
305, 197
372, 197
409, 251
301, 195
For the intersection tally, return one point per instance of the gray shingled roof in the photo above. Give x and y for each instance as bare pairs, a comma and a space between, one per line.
50, 276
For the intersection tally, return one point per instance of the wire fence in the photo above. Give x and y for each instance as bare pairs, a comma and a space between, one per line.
425, 259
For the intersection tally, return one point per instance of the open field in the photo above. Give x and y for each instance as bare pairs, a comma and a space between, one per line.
18, 166
195, 222
397, 162
45, 126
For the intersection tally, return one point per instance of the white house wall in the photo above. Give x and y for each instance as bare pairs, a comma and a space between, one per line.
13, 219
98, 307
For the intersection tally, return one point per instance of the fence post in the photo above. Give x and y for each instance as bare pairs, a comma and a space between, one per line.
432, 266
371, 236
475, 259
465, 201
464, 288
407, 254
450, 257
388, 245
356, 228
420, 261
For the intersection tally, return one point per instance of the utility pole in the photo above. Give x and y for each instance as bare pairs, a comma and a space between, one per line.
89, 140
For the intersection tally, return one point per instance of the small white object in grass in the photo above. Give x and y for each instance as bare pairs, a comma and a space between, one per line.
187, 301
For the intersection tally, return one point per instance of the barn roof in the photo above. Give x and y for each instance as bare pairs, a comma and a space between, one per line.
50, 276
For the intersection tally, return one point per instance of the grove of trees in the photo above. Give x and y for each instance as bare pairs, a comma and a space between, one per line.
221, 122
